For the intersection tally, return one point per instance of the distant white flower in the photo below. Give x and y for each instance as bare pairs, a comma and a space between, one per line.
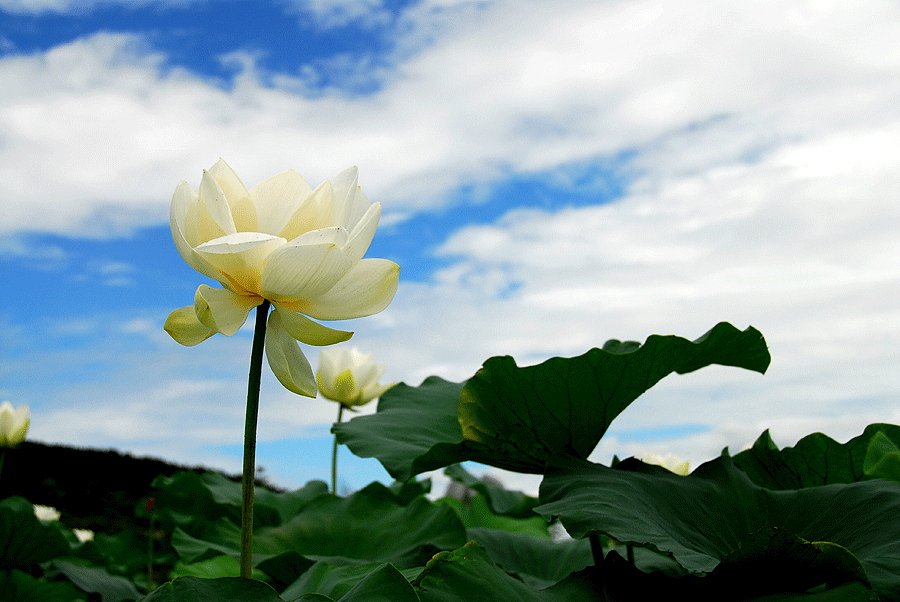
46, 513
13, 424
83, 535
669, 462
349, 377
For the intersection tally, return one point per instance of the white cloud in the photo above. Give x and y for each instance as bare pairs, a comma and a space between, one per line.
42, 256
30, 7
485, 100
761, 189
339, 13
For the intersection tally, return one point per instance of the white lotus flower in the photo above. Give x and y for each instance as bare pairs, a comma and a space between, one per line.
670, 462
349, 377
46, 513
13, 424
281, 241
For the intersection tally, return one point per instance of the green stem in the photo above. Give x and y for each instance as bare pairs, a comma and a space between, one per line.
249, 474
334, 453
597, 550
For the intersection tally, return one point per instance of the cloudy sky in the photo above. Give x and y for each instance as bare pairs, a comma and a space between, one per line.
552, 175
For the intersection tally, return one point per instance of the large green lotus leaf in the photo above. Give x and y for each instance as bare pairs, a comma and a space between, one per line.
224, 589
185, 500
188, 499
406, 491
384, 584
265, 502
703, 518
24, 539
516, 418
818, 459
478, 514
97, 580
538, 562
847, 592
502, 501
620, 581
369, 526
359, 583
124, 553
416, 429
217, 537
214, 567
468, 574
882, 458
788, 562
285, 568
16, 586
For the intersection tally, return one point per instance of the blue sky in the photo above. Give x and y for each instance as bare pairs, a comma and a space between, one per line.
551, 176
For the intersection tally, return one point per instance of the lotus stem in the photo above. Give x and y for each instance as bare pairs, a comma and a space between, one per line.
597, 550
249, 475
334, 451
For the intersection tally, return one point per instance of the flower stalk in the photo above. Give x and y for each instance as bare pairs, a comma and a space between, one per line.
248, 477
334, 451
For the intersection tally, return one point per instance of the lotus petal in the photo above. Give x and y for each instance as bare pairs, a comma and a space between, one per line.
222, 310
314, 213
13, 424
286, 360
278, 198
306, 267
307, 331
345, 188
366, 289
214, 205
363, 232
243, 211
183, 326
241, 257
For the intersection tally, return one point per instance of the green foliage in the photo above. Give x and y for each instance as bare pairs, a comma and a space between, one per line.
19, 585
354, 582
711, 518
882, 458
539, 562
469, 574
476, 514
190, 500
818, 522
24, 540
111, 588
416, 429
502, 501
357, 529
517, 418
225, 589
820, 460
363, 528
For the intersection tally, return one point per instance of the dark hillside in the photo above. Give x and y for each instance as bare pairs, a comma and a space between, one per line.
97, 489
